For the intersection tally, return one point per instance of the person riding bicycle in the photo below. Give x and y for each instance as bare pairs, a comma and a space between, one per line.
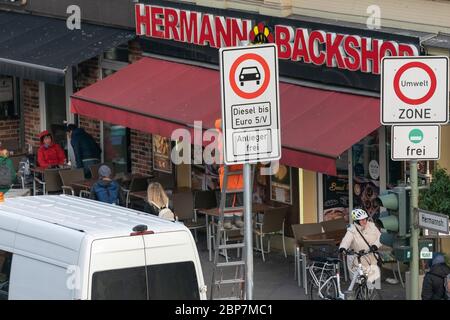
362, 235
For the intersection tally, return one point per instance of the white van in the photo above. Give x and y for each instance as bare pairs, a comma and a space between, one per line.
65, 247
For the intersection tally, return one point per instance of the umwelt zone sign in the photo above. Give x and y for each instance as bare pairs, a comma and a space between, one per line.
414, 90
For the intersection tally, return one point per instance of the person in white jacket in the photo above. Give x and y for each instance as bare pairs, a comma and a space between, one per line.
354, 240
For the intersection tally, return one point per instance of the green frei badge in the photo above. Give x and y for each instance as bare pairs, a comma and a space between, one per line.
416, 136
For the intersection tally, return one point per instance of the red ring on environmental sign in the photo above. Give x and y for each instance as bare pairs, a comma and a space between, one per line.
406, 67
265, 84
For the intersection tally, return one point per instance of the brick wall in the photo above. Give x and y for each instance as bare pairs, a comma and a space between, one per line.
9, 134
91, 126
31, 112
140, 142
141, 152
88, 73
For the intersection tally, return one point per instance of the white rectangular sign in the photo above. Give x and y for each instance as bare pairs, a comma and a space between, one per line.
415, 142
433, 221
250, 104
414, 90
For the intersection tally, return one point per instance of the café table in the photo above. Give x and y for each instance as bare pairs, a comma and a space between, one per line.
214, 212
84, 184
141, 195
336, 235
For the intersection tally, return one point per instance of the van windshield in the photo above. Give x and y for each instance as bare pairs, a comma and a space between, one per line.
170, 281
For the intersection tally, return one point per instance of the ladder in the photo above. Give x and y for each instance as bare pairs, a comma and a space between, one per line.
234, 285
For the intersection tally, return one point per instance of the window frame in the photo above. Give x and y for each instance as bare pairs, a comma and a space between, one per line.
147, 272
16, 88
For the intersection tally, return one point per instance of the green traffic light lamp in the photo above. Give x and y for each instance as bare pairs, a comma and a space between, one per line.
389, 200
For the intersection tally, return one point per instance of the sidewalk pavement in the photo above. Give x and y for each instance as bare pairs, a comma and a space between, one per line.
274, 279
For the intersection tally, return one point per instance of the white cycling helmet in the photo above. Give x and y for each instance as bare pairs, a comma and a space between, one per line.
359, 214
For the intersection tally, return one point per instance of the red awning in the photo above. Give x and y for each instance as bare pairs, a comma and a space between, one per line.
158, 96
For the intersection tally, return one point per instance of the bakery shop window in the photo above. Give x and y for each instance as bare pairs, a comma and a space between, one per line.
335, 191
8, 98
366, 174
116, 143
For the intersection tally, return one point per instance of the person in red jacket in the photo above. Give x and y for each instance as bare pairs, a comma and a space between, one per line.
50, 154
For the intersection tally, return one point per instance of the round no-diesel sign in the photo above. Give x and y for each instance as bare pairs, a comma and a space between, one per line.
414, 90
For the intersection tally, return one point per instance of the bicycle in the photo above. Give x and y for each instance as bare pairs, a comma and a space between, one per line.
325, 280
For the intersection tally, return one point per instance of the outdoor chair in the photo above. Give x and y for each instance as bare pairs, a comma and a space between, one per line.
273, 223
205, 199
138, 183
20, 179
94, 170
70, 176
165, 179
299, 231
50, 182
183, 207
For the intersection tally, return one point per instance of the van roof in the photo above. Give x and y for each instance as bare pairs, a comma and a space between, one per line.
84, 215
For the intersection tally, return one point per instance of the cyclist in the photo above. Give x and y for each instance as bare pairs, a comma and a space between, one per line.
363, 235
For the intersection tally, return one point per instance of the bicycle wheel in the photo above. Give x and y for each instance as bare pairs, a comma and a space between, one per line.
329, 290
362, 292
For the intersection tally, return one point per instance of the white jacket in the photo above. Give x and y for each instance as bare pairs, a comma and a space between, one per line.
353, 240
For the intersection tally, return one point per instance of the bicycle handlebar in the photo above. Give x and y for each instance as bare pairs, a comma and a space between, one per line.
360, 253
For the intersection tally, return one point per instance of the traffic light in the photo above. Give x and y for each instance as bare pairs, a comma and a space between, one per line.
396, 219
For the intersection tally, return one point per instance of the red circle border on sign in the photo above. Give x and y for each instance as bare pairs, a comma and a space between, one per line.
260, 91
424, 67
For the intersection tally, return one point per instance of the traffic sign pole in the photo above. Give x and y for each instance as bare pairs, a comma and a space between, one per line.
248, 223
414, 240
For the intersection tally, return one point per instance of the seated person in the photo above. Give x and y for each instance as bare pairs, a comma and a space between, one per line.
105, 189
50, 154
156, 199
7, 171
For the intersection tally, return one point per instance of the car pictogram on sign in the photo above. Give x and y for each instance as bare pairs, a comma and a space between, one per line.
249, 74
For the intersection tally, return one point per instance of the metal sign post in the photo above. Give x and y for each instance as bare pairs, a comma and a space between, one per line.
414, 240
248, 232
